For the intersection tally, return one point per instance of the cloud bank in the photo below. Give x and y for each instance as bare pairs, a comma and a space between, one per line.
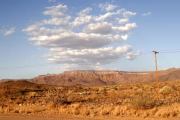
90, 38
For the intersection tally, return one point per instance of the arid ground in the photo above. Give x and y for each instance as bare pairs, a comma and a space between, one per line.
153, 100
70, 117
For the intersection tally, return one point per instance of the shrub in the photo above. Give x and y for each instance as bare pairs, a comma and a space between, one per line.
166, 90
143, 102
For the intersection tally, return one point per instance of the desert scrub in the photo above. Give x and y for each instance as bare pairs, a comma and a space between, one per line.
139, 91
143, 102
166, 90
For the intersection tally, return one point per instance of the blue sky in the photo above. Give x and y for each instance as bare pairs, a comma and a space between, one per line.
157, 28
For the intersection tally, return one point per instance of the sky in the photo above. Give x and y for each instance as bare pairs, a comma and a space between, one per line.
51, 36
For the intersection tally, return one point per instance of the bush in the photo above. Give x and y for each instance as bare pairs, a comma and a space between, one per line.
143, 102
166, 90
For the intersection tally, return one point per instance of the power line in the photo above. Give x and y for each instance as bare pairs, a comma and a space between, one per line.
169, 51
177, 51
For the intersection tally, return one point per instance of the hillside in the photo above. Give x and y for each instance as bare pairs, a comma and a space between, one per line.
142, 100
97, 78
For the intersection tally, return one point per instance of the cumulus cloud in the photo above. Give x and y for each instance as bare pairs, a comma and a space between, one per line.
84, 39
132, 55
88, 56
52, 1
7, 31
146, 14
56, 11
107, 7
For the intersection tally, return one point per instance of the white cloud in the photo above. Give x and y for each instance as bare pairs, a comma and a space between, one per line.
85, 11
56, 21
146, 14
132, 55
52, 1
84, 37
7, 31
126, 27
128, 14
107, 7
101, 28
56, 11
123, 20
89, 56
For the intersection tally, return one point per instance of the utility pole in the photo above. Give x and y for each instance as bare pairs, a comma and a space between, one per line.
156, 64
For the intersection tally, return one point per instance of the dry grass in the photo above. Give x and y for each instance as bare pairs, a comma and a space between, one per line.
166, 90
138, 99
143, 102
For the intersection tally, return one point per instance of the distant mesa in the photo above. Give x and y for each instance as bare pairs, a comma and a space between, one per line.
104, 77
101, 77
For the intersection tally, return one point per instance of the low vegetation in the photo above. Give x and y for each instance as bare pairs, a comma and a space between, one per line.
166, 90
143, 102
137, 99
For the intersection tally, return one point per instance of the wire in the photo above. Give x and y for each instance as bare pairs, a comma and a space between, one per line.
162, 51
177, 51
169, 51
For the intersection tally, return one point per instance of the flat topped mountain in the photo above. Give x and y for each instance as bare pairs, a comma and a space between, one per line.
103, 77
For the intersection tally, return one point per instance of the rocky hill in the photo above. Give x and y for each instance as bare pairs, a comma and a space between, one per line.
97, 78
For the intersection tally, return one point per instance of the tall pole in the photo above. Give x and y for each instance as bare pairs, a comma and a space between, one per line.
156, 64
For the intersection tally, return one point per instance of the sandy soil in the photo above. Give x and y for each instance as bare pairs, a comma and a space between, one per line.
69, 117
22, 100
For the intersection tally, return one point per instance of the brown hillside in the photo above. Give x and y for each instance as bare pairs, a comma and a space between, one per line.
91, 78
20, 86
